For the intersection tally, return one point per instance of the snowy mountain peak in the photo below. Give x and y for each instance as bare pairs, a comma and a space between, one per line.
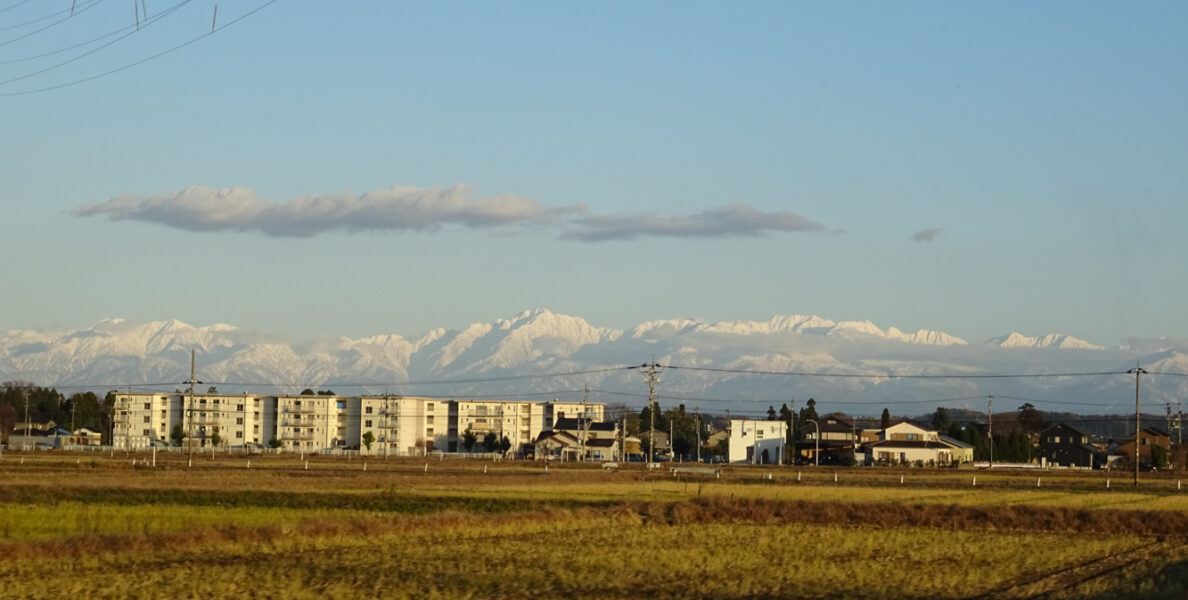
1052, 340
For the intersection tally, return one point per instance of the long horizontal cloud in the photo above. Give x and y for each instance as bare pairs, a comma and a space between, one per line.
733, 220
396, 208
425, 209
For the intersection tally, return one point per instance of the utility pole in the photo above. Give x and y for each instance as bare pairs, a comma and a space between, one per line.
1138, 371
189, 405
25, 393
697, 410
582, 425
652, 376
990, 426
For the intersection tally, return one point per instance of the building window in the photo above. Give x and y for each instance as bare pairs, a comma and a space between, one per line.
342, 405
368, 410
239, 435
147, 432
428, 406
240, 408
367, 423
1055, 439
148, 406
146, 419
429, 431
239, 420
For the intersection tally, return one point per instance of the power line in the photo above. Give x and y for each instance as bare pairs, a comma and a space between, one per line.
131, 28
84, 8
143, 60
897, 376
12, 6
156, 18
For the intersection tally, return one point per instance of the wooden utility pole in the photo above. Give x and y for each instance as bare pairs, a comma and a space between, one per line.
652, 376
190, 406
1138, 371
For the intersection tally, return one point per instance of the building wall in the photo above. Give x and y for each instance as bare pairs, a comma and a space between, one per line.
401, 425
748, 440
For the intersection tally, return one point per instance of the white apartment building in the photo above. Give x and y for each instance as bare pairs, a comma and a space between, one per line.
398, 425
145, 419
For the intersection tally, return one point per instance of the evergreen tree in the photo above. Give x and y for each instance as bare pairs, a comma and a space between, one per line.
885, 421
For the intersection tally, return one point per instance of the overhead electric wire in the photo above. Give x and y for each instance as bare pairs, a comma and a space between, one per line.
157, 17
12, 6
894, 376
96, 39
143, 60
84, 8
432, 382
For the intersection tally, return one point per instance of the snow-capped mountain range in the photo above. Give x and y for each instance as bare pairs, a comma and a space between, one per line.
852, 366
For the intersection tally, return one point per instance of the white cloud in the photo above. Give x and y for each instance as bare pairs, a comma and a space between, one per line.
396, 208
927, 235
426, 209
736, 220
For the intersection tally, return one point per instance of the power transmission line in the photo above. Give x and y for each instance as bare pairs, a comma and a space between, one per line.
130, 29
143, 60
897, 376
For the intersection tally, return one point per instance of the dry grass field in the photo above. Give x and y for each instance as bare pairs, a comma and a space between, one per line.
95, 524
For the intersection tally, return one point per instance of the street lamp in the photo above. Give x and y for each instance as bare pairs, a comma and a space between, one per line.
817, 440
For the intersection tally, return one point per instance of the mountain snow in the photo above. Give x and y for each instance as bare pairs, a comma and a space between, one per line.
842, 361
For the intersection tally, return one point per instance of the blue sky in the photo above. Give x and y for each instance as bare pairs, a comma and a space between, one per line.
618, 161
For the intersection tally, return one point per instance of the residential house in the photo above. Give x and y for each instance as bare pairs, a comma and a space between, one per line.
757, 442
1062, 445
1149, 438
833, 436
906, 443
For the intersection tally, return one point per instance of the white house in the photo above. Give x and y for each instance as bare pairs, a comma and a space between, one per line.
757, 442
907, 443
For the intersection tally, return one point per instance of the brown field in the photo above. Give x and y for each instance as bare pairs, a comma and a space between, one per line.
95, 524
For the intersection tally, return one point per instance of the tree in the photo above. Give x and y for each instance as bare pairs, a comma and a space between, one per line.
504, 444
1159, 456
307, 392
809, 411
178, 434
940, 420
490, 441
274, 443
786, 416
1031, 419
468, 440
368, 439
8, 419
771, 414
325, 392
885, 420
212, 390
215, 438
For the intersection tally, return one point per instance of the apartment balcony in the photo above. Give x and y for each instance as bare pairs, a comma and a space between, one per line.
300, 410
300, 437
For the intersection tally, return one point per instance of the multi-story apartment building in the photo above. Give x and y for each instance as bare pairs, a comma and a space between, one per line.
398, 425
142, 419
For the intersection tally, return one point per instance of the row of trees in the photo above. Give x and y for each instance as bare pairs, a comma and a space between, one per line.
79, 410
491, 442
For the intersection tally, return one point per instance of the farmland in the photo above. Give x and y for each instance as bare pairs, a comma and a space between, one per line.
281, 528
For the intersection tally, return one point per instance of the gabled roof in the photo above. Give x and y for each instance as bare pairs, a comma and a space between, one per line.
558, 436
948, 441
1065, 426
575, 424
600, 443
907, 444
